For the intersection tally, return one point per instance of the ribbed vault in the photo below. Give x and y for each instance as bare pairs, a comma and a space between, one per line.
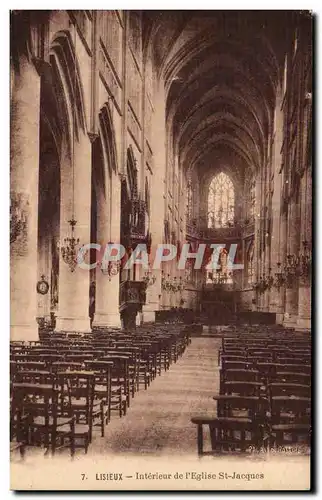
221, 71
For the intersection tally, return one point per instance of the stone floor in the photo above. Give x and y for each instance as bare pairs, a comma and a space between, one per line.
158, 420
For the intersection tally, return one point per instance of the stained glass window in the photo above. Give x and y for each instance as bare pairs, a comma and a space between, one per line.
221, 202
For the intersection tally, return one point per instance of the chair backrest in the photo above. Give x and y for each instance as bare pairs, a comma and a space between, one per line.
295, 368
294, 360
243, 388
66, 365
31, 365
78, 385
241, 375
237, 365
35, 376
289, 389
290, 409
233, 357
25, 402
237, 406
296, 378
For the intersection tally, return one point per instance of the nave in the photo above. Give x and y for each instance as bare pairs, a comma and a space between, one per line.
159, 421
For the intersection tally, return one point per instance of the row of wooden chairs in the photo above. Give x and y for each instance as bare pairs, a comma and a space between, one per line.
60, 390
264, 400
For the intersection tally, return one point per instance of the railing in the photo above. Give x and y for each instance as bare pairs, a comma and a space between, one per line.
138, 221
132, 294
222, 233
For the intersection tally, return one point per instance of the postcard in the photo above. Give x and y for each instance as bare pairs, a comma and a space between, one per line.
160, 250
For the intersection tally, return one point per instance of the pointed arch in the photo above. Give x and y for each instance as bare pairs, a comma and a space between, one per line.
132, 173
107, 134
221, 201
68, 84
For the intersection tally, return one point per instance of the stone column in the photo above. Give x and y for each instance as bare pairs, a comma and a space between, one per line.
157, 203
304, 303
257, 230
44, 268
108, 288
280, 293
276, 303
291, 292
73, 310
24, 158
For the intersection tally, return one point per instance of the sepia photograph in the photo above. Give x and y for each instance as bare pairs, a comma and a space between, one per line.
161, 250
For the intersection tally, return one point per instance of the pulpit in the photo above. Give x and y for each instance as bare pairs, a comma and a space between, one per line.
132, 298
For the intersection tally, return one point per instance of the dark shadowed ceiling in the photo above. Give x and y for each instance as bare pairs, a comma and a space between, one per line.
222, 70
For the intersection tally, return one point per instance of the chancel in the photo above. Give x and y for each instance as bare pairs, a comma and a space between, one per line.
160, 128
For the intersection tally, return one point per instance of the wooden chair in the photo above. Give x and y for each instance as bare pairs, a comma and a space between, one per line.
18, 428
133, 356
78, 391
119, 383
102, 389
290, 421
38, 405
228, 434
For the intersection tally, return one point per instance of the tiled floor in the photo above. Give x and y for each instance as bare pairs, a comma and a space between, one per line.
158, 420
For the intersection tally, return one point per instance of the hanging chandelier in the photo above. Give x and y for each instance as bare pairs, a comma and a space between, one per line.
149, 279
69, 250
304, 263
296, 266
279, 277
269, 280
265, 283
112, 269
165, 282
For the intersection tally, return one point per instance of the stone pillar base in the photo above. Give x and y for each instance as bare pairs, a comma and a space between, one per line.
24, 332
81, 325
139, 319
148, 316
107, 320
304, 324
290, 321
279, 318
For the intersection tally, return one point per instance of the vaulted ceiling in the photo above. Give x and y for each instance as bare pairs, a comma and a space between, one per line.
221, 70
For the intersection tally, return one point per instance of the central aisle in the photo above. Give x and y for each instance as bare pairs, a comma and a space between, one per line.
158, 420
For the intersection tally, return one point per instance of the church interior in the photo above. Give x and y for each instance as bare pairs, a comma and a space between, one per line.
174, 128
